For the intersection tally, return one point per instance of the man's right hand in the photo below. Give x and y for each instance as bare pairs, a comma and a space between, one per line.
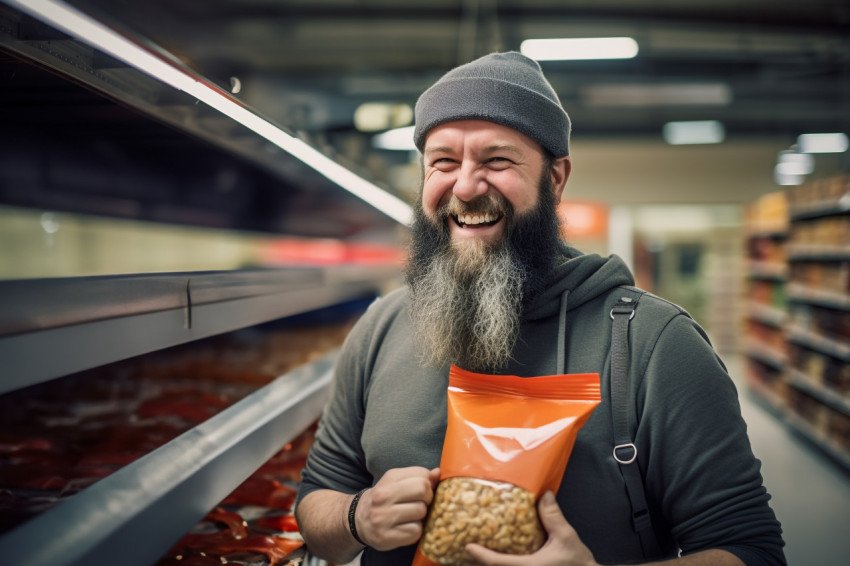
391, 514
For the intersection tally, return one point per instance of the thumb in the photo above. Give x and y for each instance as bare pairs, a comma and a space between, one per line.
483, 555
550, 514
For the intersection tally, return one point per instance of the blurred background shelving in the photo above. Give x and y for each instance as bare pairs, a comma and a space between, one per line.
798, 324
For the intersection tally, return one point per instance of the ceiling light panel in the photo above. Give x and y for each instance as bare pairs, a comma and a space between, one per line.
400, 139
822, 143
696, 132
586, 48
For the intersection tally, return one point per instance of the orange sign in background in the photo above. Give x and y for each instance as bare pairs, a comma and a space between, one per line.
583, 220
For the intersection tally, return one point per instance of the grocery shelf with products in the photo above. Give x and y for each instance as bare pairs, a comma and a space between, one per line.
767, 274
162, 416
799, 323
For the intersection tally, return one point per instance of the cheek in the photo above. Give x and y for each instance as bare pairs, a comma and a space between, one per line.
521, 196
434, 193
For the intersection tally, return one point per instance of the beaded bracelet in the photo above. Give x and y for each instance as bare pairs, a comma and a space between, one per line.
351, 510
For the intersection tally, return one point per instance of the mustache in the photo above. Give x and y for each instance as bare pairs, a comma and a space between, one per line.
490, 203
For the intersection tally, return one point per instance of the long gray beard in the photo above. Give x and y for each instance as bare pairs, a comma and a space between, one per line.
467, 307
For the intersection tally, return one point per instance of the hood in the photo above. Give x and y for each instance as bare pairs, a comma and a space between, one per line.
585, 276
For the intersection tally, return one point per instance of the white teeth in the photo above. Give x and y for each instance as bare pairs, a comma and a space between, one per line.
473, 219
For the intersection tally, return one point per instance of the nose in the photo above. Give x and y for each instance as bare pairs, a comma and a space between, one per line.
471, 182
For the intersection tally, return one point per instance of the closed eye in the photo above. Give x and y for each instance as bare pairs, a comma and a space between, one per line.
443, 163
499, 162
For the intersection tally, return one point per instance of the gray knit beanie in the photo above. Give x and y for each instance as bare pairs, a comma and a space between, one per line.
506, 88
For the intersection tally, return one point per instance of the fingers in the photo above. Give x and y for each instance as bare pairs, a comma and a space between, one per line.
391, 513
563, 547
403, 485
552, 518
434, 476
490, 558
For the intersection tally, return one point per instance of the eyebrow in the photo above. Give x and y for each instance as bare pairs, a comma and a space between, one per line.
437, 149
487, 150
503, 147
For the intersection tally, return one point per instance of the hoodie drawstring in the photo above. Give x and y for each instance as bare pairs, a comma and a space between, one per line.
562, 333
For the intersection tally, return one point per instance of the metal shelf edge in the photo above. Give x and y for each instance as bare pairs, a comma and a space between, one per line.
800, 380
35, 357
136, 514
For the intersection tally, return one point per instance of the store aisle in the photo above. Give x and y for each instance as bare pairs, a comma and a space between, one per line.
811, 493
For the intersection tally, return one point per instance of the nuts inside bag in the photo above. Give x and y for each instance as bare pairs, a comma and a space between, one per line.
472, 510
508, 440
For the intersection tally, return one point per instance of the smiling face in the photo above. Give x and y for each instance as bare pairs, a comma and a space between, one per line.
477, 173
484, 239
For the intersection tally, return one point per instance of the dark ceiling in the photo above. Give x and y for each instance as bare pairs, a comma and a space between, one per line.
785, 64
778, 68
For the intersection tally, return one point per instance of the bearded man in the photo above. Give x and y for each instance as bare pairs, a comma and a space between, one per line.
491, 287
467, 296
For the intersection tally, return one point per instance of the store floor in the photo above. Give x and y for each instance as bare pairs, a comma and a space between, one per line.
811, 492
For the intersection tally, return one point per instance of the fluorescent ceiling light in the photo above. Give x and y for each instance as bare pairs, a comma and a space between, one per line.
786, 179
78, 24
377, 116
702, 94
579, 48
399, 139
698, 132
793, 163
822, 143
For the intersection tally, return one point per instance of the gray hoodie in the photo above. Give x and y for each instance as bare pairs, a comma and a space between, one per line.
702, 481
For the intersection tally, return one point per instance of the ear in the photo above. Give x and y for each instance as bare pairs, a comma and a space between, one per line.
561, 169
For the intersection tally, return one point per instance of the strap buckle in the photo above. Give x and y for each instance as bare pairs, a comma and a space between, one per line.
623, 310
641, 521
626, 459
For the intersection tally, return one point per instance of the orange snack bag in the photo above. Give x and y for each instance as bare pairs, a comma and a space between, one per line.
508, 440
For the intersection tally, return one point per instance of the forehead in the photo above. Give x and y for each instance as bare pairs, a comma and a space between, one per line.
477, 134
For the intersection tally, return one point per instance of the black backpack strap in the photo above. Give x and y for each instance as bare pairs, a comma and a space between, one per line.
625, 451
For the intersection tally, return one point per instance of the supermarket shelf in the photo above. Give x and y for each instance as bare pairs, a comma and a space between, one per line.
818, 439
803, 382
767, 397
819, 343
778, 231
821, 208
54, 327
136, 514
765, 354
809, 203
830, 299
806, 252
766, 314
297, 186
769, 400
767, 270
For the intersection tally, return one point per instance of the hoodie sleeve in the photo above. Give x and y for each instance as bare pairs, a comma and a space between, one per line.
336, 459
700, 468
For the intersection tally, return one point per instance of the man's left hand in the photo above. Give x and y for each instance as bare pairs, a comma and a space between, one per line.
563, 548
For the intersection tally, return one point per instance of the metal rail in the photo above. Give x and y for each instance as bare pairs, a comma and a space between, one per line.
135, 515
50, 328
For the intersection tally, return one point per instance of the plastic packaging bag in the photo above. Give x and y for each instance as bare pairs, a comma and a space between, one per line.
508, 440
